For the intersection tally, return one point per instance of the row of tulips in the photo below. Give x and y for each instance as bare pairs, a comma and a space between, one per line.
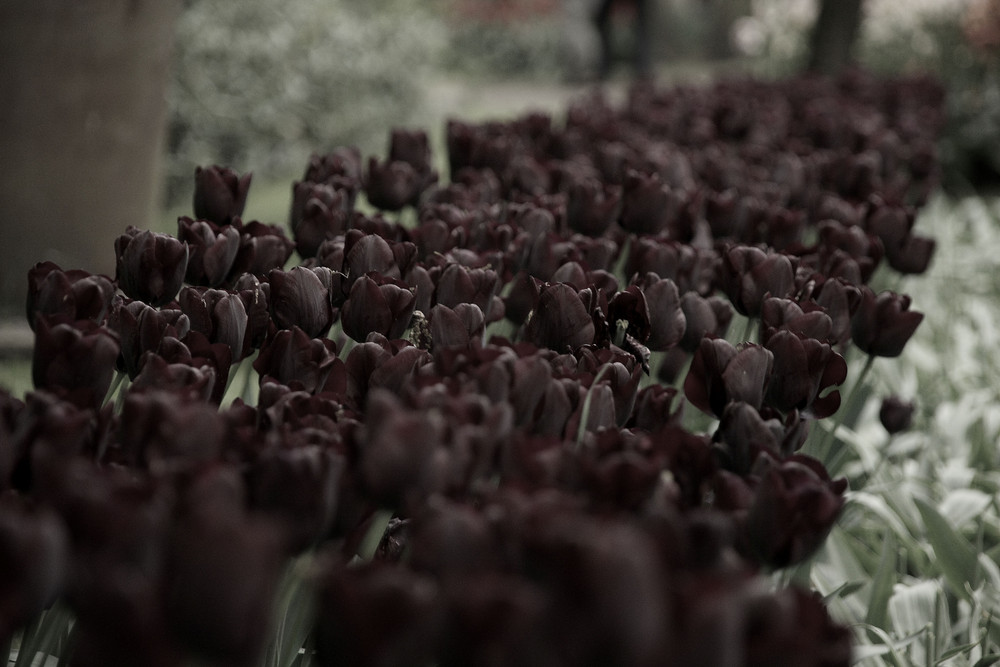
475, 436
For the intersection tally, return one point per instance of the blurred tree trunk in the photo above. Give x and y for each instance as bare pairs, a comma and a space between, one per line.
833, 35
81, 129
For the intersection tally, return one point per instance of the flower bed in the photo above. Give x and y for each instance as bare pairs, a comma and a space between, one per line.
508, 431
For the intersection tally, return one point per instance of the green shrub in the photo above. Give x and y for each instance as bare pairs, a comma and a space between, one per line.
261, 84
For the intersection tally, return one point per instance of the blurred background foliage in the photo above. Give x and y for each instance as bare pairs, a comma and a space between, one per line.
261, 84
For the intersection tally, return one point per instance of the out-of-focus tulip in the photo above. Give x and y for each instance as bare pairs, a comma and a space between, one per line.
883, 323
73, 294
896, 414
219, 194
75, 360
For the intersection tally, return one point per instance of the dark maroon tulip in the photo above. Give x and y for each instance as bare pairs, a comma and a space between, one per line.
804, 368
592, 207
34, 557
459, 284
75, 360
721, 373
293, 358
560, 320
794, 507
319, 212
392, 185
183, 379
299, 486
342, 164
413, 147
883, 323
793, 622
72, 295
211, 250
806, 320
221, 316
377, 305
839, 300
703, 317
744, 433
255, 296
749, 275
377, 615
840, 243
143, 329
666, 316
221, 576
461, 326
369, 253
165, 433
656, 406
896, 414
220, 194
151, 266
630, 306
299, 299
906, 252
262, 249
648, 204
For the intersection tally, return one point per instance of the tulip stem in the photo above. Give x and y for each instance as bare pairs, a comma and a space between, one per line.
581, 428
848, 406
747, 331
115, 386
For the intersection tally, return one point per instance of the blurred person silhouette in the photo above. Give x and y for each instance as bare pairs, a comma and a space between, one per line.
640, 12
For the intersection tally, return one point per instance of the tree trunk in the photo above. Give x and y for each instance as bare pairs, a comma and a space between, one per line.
834, 34
81, 129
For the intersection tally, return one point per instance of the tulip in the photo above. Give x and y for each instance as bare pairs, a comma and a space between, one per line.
319, 212
794, 507
803, 369
342, 164
883, 323
293, 358
392, 185
377, 305
220, 194
151, 266
298, 298
75, 360
212, 250
220, 316
262, 249
749, 275
560, 320
896, 414
73, 295
721, 373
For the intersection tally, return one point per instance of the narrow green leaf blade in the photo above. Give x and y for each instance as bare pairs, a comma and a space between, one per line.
955, 555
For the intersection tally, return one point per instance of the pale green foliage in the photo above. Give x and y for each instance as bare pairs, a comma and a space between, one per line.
260, 84
912, 564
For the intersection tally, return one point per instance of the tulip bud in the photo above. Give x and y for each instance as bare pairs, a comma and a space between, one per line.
151, 266
220, 194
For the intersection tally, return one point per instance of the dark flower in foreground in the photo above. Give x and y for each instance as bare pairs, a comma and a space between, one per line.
299, 299
377, 305
721, 373
74, 360
896, 414
34, 559
376, 615
143, 329
666, 316
151, 266
212, 250
704, 317
219, 194
560, 321
221, 575
794, 507
808, 321
883, 323
73, 294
